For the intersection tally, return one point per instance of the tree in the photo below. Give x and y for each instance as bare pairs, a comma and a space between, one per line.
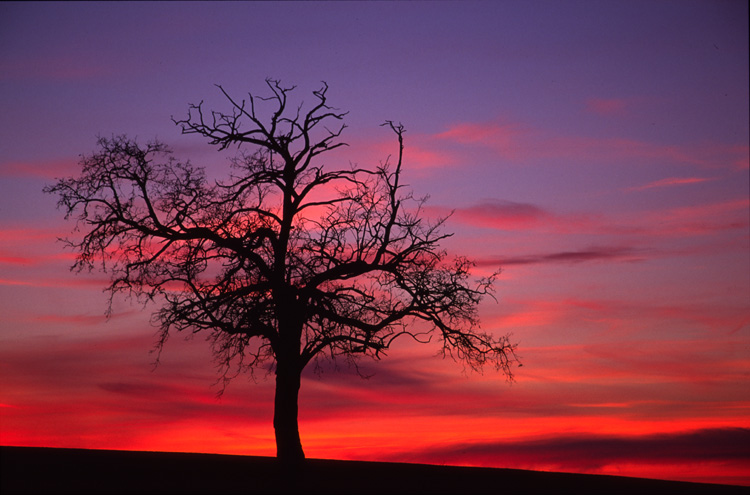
284, 262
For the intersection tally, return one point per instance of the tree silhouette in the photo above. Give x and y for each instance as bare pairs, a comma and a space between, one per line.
285, 261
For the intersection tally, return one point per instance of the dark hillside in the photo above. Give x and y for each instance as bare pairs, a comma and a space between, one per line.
46, 470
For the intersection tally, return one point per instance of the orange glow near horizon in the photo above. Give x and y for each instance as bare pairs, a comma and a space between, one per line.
421, 439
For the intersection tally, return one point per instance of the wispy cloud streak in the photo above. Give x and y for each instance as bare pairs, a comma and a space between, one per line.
671, 181
524, 143
606, 253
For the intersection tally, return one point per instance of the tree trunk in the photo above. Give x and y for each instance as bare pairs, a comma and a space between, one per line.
288, 445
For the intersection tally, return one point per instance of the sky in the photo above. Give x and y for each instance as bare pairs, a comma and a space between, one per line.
595, 151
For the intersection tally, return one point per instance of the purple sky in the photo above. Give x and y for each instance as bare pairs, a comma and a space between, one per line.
596, 150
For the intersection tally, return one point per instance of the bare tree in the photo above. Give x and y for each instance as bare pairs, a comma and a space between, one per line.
285, 261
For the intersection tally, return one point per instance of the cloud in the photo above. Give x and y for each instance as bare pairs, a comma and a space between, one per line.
509, 140
594, 452
508, 215
502, 214
79, 281
77, 320
20, 260
49, 169
28, 234
420, 152
64, 370
22, 247
609, 253
607, 326
605, 106
742, 157
138, 389
671, 181
683, 221
700, 219
411, 380
14, 259
522, 143
489, 134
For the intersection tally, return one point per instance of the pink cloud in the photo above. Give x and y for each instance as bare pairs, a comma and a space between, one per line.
705, 369
503, 214
701, 219
14, 259
420, 152
50, 170
517, 142
742, 160
28, 234
507, 140
493, 134
7, 281
25, 247
671, 181
594, 253
420, 156
72, 319
605, 106
710, 210
680, 221
39, 280
517, 216
685, 221
624, 319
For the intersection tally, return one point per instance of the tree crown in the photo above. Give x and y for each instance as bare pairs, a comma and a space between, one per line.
285, 257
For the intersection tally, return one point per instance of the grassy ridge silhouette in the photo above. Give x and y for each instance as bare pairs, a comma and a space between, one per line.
52, 470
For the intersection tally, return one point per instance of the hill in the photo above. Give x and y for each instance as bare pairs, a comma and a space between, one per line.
49, 470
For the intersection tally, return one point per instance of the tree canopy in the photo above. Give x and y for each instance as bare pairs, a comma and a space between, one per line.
286, 260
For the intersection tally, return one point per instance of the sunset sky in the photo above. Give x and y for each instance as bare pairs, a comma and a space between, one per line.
596, 151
